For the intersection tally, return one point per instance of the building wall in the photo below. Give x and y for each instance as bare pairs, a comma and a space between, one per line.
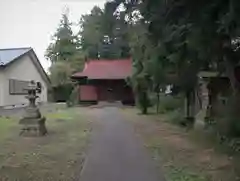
114, 90
22, 69
106, 90
1, 88
88, 93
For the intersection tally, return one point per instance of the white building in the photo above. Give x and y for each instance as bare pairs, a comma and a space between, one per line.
18, 66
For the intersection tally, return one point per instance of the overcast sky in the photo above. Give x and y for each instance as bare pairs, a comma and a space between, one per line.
31, 23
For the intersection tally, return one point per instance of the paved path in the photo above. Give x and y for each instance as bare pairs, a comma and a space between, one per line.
116, 154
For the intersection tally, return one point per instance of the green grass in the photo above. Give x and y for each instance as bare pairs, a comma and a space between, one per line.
170, 162
67, 114
181, 155
177, 174
57, 156
6, 124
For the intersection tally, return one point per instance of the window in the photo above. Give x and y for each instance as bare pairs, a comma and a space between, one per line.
17, 87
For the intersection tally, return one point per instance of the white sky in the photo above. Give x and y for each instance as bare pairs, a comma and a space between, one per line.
31, 23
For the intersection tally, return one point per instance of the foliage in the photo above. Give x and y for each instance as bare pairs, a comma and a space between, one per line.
173, 108
64, 45
60, 73
191, 36
204, 28
176, 116
140, 84
104, 33
169, 42
91, 32
227, 123
64, 54
171, 103
177, 174
61, 93
73, 99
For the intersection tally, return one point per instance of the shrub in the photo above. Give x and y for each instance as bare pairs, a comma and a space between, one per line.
227, 119
61, 93
170, 103
176, 116
152, 99
73, 98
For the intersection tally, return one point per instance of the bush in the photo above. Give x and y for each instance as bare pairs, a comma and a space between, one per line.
227, 119
170, 103
176, 116
61, 93
152, 99
73, 98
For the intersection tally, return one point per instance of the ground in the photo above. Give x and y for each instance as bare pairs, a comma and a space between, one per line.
108, 144
57, 156
182, 155
116, 154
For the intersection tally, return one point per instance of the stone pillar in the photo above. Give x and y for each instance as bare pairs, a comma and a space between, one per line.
204, 93
206, 104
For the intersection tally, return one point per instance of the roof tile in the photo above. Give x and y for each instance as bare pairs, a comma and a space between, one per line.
106, 69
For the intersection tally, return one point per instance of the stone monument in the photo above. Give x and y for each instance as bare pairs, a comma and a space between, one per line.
32, 118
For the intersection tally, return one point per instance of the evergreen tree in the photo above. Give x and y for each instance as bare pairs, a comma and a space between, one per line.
64, 45
64, 53
104, 33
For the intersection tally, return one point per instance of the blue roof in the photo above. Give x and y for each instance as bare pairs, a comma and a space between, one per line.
11, 54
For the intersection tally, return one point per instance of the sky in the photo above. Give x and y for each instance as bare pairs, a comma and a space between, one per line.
32, 23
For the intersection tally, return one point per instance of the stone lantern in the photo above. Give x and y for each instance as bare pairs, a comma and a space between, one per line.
32, 118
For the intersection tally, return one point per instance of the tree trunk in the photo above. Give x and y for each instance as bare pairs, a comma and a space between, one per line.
233, 113
158, 100
230, 70
189, 120
144, 110
188, 97
144, 103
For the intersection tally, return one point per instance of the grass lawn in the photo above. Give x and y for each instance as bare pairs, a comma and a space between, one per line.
179, 155
57, 156
6, 124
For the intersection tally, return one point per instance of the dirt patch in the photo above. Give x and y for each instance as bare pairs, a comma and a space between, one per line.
178, 155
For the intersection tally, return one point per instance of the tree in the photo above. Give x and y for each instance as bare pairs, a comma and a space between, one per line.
140, 54
60, 73
158, 75
189, 36
66, 57
199, 33
104, 33
64, 53
91, 32
64, 45
140, 82
169, 36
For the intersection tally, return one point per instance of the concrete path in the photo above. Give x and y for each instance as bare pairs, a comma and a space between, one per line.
116, 154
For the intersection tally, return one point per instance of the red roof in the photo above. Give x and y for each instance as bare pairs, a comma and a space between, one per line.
106, 69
